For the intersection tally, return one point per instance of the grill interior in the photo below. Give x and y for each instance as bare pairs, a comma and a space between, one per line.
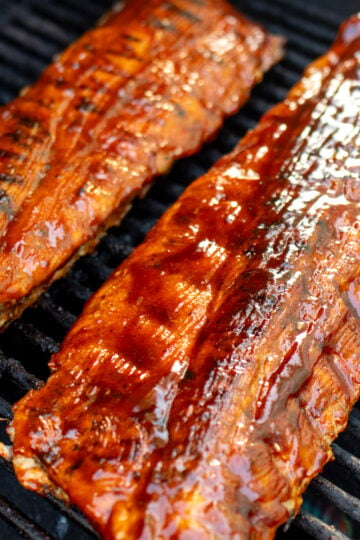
31, 32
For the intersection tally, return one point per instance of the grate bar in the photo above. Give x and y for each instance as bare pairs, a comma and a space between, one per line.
97, 271
299, 21
51, 32
24, 525
307, 13
19, 61
343, 500
302, 44
11, 79
326, 16
90, 8
35, 45
318, 528
283, 71
15, 370
73, 289
33, 335
70, 19
72, 514
347, 459
58, 314
354, 426
244, 123
115, 248
277, 91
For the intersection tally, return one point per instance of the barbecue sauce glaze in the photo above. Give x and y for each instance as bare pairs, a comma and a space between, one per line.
200, 390
147, 86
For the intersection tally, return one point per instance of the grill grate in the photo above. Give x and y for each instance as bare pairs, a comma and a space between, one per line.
31, 31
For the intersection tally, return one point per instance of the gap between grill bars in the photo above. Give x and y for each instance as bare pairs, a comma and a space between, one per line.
31, 31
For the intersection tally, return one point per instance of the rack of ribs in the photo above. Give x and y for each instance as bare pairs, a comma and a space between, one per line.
148, 85
201, 388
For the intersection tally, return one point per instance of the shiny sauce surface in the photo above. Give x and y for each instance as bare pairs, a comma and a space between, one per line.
148, 85
200, 390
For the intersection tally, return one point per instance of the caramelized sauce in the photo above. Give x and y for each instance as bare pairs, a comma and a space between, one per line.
207, 378
112, 111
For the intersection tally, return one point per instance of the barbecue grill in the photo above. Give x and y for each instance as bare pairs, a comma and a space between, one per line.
31, 32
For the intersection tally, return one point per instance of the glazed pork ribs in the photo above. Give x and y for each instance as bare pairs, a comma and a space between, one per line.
199, 392
148, 85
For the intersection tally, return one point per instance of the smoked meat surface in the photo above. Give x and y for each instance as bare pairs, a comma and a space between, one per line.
148, 85
201, 388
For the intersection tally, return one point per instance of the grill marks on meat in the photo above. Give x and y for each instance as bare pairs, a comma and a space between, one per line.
116, 108
207, 378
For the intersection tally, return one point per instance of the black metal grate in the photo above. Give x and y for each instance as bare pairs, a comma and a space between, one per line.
31, 31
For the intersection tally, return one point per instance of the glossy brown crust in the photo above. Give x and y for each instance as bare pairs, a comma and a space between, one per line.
115, 109
200, 390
